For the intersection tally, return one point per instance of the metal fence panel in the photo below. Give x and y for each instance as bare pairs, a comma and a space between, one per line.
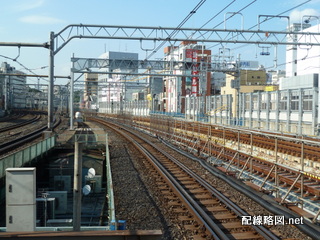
18, 159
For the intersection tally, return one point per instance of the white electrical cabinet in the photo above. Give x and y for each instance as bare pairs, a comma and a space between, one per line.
20, 199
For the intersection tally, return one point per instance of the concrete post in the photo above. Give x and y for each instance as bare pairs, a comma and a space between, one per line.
77, 188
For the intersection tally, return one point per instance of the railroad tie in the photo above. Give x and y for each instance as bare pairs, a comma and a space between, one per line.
217, 209
245, 235
209, 201
224, 216
203, 196
232, 225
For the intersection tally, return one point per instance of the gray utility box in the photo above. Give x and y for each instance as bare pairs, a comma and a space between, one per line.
20, 199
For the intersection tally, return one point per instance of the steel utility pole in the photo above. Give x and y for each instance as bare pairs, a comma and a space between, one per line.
71, 113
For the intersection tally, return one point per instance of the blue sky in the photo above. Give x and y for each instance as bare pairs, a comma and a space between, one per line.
31, 21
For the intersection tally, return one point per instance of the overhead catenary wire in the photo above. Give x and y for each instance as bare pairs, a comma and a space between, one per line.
265, 20
174, 32
227, 18
239, 11
281, 64
271, 17
217, 14
23, 66
298, 60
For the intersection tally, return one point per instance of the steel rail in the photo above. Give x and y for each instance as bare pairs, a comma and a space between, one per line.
206, 219
228, 155
236, 209
11, 117
4, 129
309, 151
273, 208
212, 227
7, 146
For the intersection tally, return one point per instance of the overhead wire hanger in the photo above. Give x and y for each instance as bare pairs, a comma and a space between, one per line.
147, 49
15, 59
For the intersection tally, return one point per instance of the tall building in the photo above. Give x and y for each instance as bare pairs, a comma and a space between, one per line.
303, 61
217, 82
292, 56
249, 81
60, 100
113, 85
193, 59
90, 95
13, 87
274, 76
309, 57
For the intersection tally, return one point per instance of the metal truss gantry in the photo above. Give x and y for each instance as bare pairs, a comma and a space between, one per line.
165, 68
170, 34
173, 35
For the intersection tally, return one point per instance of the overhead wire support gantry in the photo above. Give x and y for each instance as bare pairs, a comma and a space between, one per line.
149, 33
98, 65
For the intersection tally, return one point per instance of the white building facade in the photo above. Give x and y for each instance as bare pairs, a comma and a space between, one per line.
308, 58
193, 59
13, 90
112, 86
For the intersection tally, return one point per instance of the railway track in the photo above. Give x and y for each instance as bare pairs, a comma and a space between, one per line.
290, 146
11, 117
281, 143
21, 124
258, 166
210, 141
202, 210
286, 182
20, 141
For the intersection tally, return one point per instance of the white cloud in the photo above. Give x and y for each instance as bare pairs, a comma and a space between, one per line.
37, 19
296, 16
28, 5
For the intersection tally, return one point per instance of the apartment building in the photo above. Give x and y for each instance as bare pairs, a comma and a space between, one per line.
113, 85
90, 96
191, 61
245, 82
13, 87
